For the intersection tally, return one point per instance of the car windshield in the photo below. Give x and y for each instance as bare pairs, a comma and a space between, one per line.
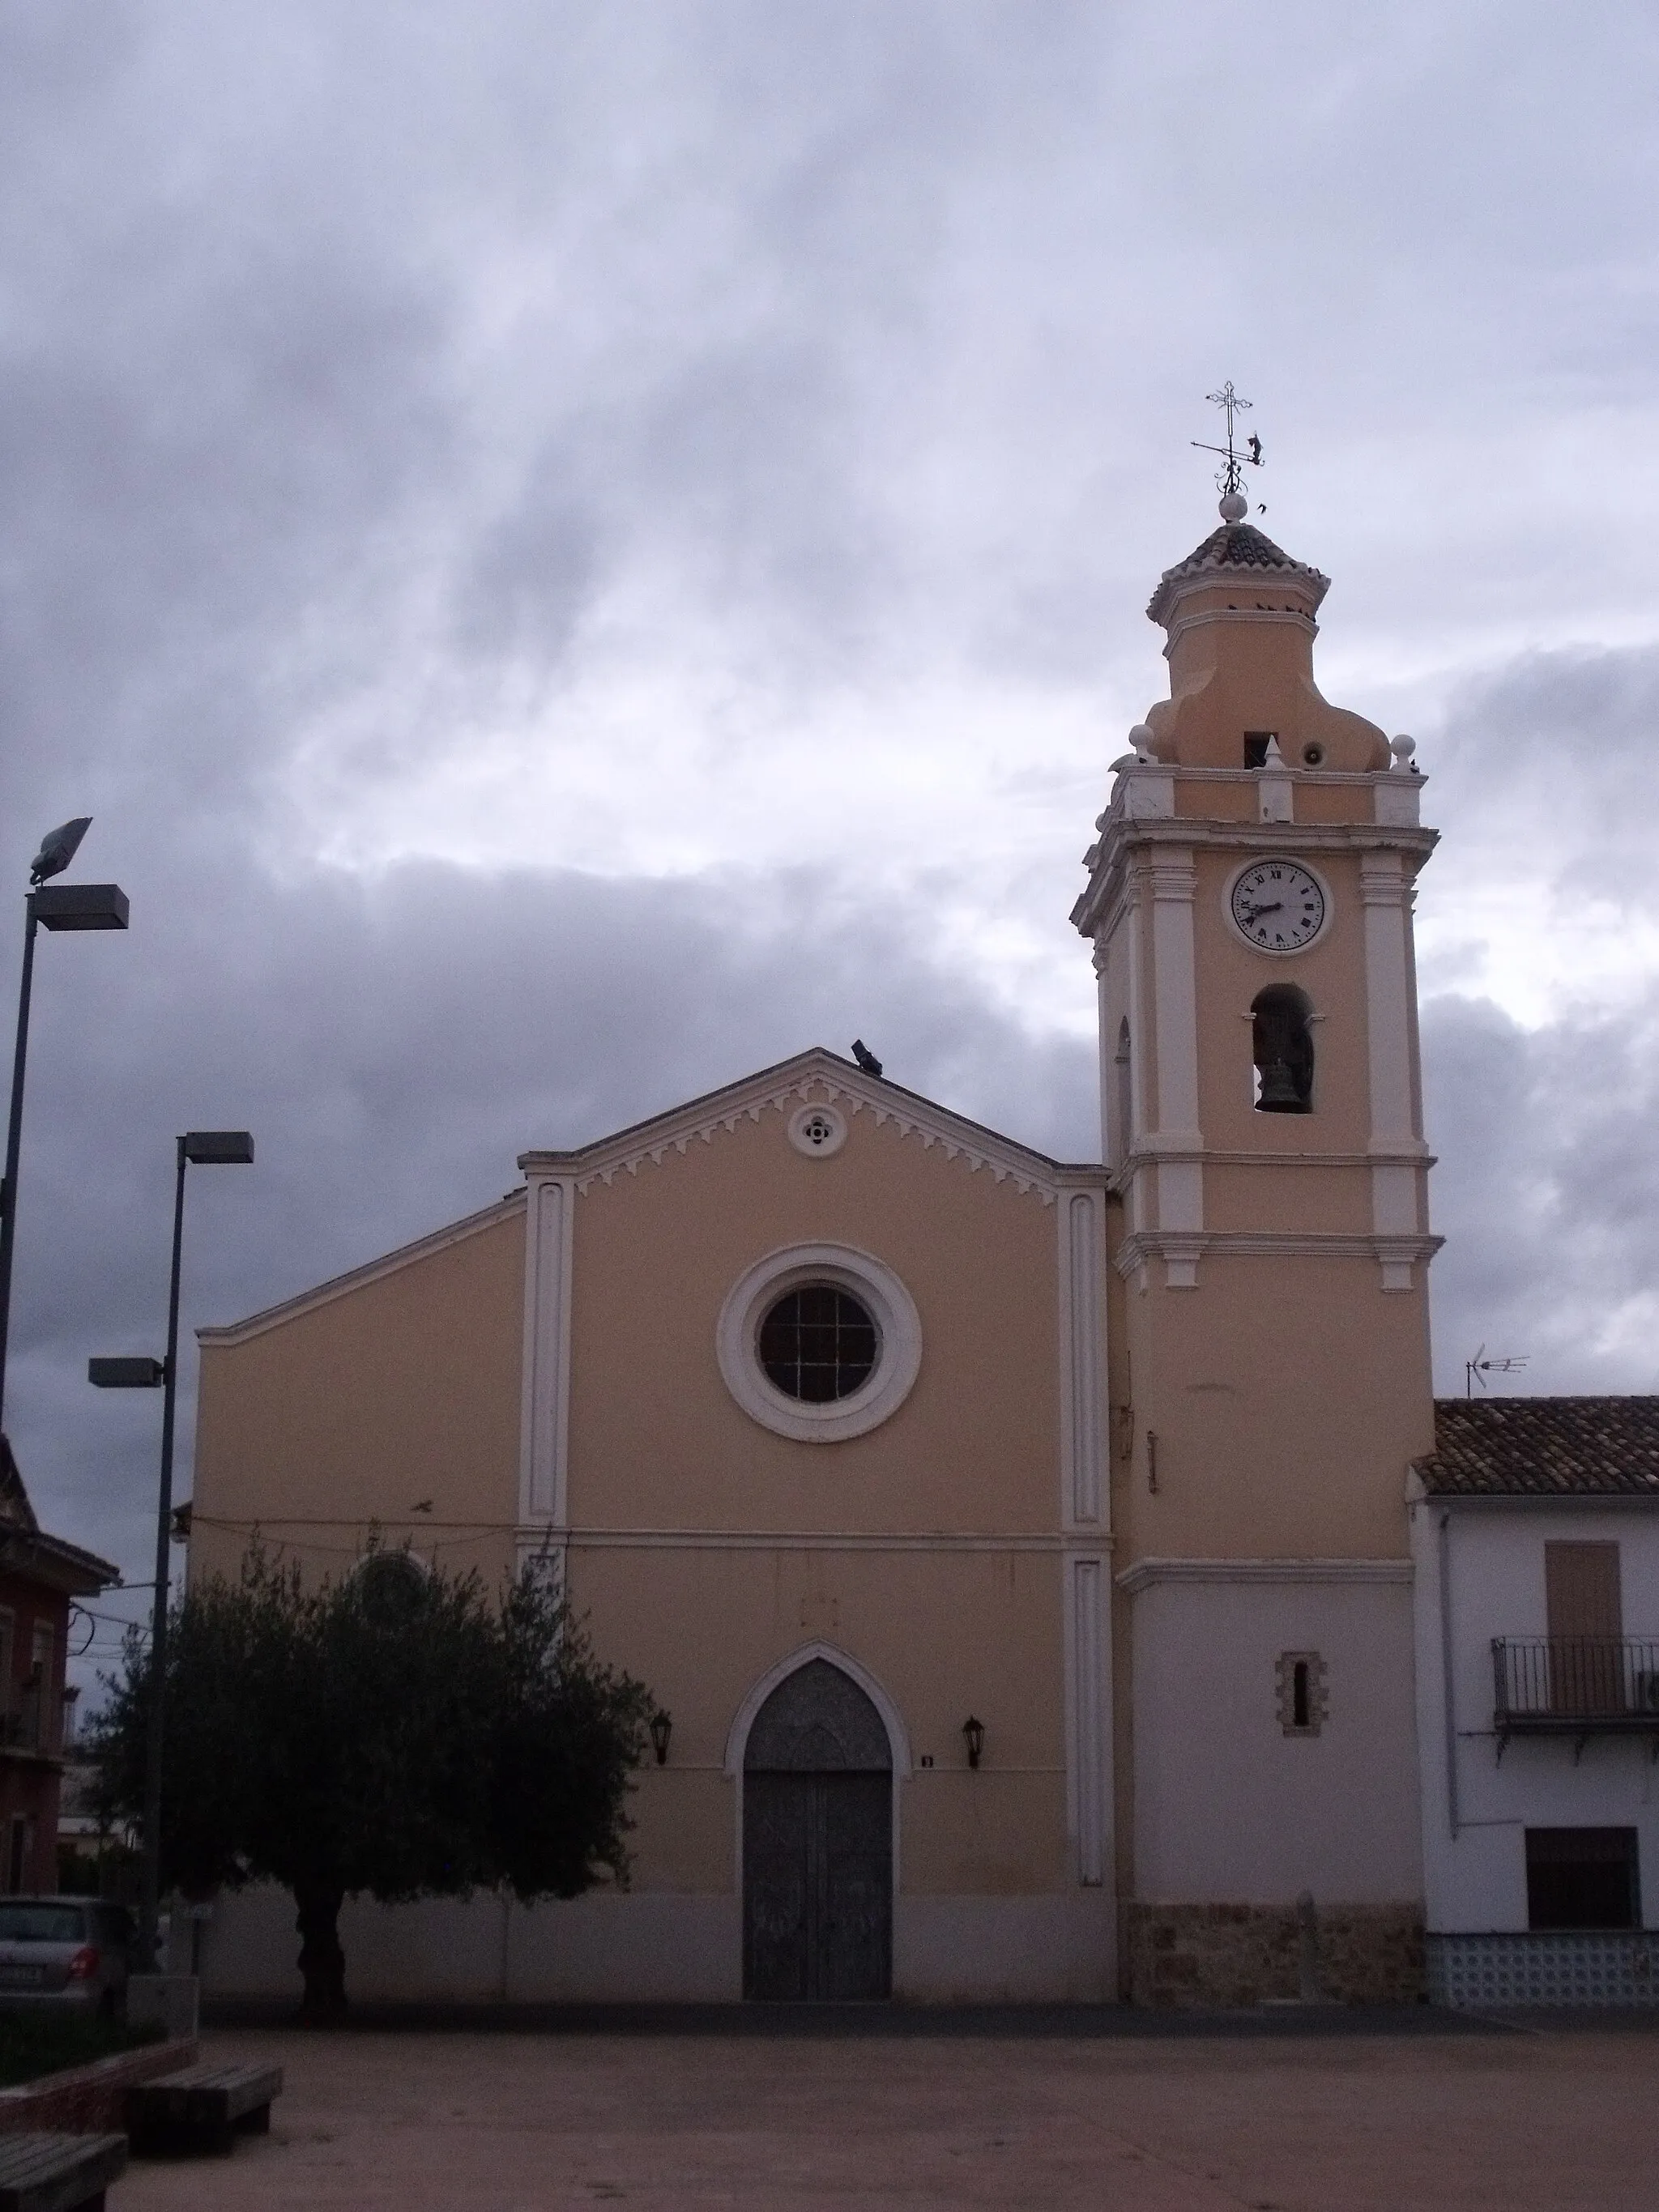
42, 1923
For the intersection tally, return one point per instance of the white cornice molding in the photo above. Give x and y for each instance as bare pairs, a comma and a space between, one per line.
340, 1287
1089, 1542
1149, 1152
1348, 778
816, 1075
1271, 838
1269, 1244
1144, 1573
1125, 837
1298, 618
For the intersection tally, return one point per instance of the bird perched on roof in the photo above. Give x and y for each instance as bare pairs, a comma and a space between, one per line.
866, 1059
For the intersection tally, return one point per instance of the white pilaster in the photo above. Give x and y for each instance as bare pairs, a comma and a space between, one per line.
1140, 1206
545, 1416
1385, 891
1088, 1703
1080, 1222
1174, 883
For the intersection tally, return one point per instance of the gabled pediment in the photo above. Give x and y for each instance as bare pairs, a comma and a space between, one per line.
818, 1076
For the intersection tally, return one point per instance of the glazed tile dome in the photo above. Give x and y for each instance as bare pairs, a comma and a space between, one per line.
1235, 549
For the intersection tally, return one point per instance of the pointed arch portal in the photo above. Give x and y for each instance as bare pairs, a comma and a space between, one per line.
817, 1841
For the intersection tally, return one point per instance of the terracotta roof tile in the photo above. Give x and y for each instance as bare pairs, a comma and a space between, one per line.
1544, 1448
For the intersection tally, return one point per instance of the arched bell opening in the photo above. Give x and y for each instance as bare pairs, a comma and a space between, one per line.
817, 1842
1282, 1048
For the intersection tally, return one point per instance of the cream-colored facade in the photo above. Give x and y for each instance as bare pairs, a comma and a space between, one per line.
1124, 1485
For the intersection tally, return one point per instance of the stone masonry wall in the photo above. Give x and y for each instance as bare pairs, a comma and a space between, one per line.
1237, 1954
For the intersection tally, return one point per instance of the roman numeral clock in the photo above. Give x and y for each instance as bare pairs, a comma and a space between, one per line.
1278, 905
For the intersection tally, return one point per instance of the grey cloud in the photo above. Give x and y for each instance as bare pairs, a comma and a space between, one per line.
1551, 763
1547, 1193
366, 324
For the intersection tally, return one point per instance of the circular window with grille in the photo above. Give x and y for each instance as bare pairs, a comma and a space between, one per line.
819, 1342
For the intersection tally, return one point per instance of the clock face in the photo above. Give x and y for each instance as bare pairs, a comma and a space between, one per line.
1278, 905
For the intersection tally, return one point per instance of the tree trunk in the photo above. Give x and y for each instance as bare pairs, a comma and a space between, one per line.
322, 1962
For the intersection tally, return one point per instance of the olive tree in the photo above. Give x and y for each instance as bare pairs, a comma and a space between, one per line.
393, 1732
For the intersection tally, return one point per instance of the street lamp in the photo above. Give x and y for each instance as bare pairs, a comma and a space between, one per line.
202, 1148
65, 906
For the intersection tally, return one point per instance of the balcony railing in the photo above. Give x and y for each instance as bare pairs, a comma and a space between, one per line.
1576, 1685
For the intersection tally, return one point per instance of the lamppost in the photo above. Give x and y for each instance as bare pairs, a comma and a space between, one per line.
203, 1148
65, 906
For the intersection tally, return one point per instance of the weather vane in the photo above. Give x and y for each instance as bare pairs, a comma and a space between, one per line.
1230, 479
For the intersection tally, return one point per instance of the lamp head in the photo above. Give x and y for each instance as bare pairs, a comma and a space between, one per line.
217, 1147
125, 1374
57, 848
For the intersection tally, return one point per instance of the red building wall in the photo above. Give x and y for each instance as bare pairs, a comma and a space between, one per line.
33, 1631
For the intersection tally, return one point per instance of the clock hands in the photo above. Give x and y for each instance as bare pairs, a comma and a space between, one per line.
1255, 913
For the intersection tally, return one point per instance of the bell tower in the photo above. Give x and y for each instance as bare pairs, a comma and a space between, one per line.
1249, 903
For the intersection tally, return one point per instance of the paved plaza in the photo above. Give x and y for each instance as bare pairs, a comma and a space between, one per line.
506, 2122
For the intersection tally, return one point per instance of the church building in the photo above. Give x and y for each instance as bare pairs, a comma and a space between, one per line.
1018, 1549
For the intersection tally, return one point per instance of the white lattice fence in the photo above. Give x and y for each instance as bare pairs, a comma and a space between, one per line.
1477, 1971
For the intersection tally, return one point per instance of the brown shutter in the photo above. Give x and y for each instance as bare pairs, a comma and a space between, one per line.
1581, 1590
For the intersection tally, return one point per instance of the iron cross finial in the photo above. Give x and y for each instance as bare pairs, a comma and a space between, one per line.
1230, 478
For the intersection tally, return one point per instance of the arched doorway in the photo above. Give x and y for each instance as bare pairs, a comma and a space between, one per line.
817, 1842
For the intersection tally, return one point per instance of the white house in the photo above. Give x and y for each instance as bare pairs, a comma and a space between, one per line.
1535, 1543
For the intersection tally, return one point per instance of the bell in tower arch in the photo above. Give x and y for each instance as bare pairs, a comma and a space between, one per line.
1281, 1045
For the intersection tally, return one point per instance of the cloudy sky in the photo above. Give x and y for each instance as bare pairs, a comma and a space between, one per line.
573, 552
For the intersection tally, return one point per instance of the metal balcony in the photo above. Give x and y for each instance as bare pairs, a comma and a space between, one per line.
1577, 1686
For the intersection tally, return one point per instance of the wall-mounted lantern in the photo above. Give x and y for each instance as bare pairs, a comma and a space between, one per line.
662, 1727
974, 1732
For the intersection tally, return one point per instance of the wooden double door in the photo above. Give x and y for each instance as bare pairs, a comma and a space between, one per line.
818, 1844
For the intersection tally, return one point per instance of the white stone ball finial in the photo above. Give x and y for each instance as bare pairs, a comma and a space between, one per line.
1234, 507
1402, 749
1141, 737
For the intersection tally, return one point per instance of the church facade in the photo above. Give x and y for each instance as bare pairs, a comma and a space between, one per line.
1017, 1549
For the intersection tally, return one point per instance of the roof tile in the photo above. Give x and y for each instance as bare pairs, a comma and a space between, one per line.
1544, 1448
1237, 547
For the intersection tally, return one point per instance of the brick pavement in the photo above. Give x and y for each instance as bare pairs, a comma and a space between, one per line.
538, 2123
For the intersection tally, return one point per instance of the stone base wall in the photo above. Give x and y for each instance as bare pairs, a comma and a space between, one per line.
1239, 1955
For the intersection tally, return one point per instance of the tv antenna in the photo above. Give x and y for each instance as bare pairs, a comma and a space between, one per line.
1236, 459
1477, 1369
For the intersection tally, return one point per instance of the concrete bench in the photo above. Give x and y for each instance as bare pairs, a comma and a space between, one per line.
204, 2106
58, 2173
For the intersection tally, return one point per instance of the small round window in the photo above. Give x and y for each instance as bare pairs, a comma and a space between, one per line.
818, 1344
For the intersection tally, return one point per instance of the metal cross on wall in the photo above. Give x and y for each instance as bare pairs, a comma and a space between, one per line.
1230, 479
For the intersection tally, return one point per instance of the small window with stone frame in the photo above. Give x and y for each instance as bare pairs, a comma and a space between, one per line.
1304, 1700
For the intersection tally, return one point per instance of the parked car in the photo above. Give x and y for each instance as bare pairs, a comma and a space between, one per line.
65, 1952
